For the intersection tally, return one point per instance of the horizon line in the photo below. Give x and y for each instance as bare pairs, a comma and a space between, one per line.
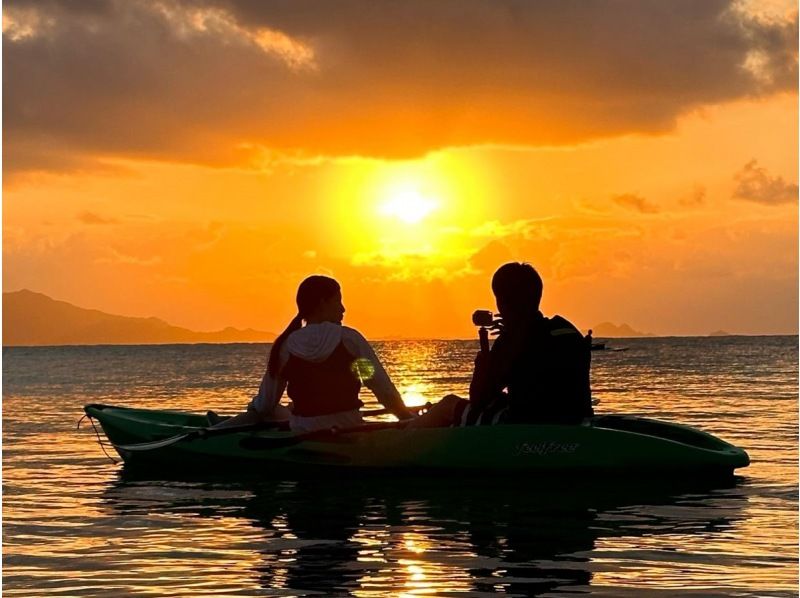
389, 339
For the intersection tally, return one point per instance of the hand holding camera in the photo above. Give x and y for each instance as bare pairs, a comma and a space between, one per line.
486, 319
487, 322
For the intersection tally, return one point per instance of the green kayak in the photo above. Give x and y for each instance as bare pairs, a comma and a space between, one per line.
605, 444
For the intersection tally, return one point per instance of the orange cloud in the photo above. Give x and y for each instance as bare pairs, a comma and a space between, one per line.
88, 217
227, 81
490, 256
697, 197
635, 202
753, 183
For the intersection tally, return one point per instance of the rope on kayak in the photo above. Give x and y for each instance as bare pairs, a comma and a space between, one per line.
96, 433
157, 444
197, 434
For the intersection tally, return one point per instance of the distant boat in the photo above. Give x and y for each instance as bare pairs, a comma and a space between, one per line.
602, 347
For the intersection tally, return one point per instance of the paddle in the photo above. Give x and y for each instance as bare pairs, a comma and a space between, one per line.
202, 433
384, 411
198, 434
265, 443
415, 409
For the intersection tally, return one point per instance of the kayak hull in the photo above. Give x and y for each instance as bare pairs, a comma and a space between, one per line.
605, 445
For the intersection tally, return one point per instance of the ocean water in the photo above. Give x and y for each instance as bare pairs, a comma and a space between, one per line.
74, 523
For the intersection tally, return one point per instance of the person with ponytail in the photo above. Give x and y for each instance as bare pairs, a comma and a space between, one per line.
321, 366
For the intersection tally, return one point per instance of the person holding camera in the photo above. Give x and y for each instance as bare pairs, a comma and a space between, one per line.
537, 371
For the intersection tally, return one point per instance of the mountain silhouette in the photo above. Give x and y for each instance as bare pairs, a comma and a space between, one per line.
607, 329
31, 318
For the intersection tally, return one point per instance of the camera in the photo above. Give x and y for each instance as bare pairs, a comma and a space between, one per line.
482, 317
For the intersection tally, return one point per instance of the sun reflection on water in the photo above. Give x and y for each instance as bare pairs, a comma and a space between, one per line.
73, 523
415, 395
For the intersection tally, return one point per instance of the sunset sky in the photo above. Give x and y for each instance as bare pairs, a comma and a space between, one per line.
195, 160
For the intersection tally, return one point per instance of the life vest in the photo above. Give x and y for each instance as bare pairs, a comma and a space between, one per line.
550, 378
322, 388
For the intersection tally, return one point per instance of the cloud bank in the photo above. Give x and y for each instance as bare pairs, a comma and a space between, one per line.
221, 81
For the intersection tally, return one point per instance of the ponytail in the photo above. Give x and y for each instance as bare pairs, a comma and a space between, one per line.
273, 365
310, 293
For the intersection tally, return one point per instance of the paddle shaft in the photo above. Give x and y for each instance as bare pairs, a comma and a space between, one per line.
258, 443
201, 433
384, 411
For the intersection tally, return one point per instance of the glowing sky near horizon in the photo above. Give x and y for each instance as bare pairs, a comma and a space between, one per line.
195, 160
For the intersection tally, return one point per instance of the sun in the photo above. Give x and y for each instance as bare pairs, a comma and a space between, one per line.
407, 205
411, 213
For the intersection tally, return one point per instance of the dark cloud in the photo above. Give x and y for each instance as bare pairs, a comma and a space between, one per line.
753, 183
213, 82
632, 201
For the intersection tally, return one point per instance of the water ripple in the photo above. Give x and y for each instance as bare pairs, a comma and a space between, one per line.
75, 524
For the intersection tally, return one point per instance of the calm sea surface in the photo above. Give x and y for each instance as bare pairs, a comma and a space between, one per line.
76, 524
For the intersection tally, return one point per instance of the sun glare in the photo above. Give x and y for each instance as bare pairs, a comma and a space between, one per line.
408, 205
400, 212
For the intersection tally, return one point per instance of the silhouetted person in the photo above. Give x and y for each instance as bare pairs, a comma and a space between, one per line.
537, 370
321, 366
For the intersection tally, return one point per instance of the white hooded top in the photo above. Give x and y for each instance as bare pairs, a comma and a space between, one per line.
315, 343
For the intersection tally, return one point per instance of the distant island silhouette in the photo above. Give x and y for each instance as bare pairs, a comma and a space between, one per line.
607, 330
34, 319
31, 319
